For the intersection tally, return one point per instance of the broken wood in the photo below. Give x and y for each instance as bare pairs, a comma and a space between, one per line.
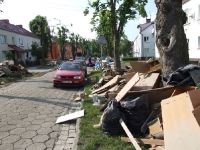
127, 87
133, 141
144, 141
71, 116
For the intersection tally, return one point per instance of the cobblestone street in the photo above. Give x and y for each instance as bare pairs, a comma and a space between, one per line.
28, 112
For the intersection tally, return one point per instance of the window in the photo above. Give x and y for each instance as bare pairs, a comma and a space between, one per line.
188, 15
21, 42
13, 40
3, 55
3, 39
199, 42
146, 39
198, 13
146, 50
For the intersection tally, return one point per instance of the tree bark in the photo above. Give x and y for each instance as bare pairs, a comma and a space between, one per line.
170, 37
116, 51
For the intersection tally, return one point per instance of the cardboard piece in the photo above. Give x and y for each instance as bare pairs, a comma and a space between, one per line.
148, 82
133, 141
144, 141
140, 66
108, 85
127, 87
70, 116
181, 130
128, 76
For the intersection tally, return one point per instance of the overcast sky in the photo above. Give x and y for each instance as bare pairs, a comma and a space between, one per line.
67, 11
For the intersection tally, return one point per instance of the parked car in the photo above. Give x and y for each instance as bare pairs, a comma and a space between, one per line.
93, 61
83, 64
69, 73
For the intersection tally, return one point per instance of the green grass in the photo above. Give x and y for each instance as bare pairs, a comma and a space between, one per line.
127, 63
91, 138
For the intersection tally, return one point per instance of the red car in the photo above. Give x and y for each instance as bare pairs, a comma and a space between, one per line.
69, 73
93, 61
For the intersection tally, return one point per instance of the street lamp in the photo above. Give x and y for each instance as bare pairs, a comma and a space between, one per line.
101, 41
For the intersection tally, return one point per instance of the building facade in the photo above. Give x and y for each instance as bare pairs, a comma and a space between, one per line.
144, 44
192, 28
18, 40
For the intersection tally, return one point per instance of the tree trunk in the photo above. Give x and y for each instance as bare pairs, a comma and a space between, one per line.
116, 51
170, 37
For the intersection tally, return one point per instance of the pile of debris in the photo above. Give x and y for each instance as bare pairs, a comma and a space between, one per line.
10, 70
137, 103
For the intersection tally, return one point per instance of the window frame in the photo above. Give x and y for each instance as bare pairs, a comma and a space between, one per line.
3, 37
147, 39
198, 42
21, 42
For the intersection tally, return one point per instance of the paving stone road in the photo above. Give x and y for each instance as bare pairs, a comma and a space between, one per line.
28, 112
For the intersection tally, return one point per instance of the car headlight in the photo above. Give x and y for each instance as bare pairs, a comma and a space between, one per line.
77, 77
57, 77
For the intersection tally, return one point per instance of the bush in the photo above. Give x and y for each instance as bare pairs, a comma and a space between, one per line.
130, 59
9, 55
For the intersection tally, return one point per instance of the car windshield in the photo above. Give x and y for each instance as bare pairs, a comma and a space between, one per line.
70, 66
81, 61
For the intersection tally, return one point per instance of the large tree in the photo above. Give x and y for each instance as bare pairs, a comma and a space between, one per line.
125, 45
39, 26
170, 37
120, 12
62, 40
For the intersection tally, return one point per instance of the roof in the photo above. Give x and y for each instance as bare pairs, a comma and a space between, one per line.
144, 26
5, 25
16, 48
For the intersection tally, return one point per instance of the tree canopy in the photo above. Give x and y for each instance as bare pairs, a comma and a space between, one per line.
39, 26
113, 15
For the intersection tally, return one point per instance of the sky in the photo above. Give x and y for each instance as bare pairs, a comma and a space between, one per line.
64, 12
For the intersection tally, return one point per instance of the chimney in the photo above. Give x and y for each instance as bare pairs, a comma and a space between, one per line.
148, 20
20, 26
5, 21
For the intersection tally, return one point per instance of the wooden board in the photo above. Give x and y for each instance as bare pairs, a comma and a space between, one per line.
128, 76
196, 113
127, 87
155, 126
180, 90
133, 141
181, 130
195, 97
111, 83
147, 82
144, 141
70, 116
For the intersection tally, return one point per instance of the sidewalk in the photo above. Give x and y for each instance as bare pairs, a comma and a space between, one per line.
35, 69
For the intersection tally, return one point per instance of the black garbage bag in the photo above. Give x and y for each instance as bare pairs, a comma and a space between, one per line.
181, 74
111, 117
136, 111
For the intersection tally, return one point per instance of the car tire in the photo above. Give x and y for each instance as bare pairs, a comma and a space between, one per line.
55, 86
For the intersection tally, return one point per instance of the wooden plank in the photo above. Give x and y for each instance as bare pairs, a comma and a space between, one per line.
196, 113
155, 126
111, 83
195, 96
146, 83
181, 130
133, 141
128, 76
144, 141
70, 116
180, 90
127, 87
195, 74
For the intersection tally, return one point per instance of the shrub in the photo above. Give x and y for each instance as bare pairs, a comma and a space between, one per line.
9, 55
130, 59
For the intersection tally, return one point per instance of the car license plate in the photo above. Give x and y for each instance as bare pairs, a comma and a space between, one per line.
66, 81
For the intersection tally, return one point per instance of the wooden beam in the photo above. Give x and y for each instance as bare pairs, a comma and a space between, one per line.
144, 141
133, 141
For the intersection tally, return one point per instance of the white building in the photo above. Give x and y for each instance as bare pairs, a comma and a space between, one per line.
144, 44
192, 27
18, 40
